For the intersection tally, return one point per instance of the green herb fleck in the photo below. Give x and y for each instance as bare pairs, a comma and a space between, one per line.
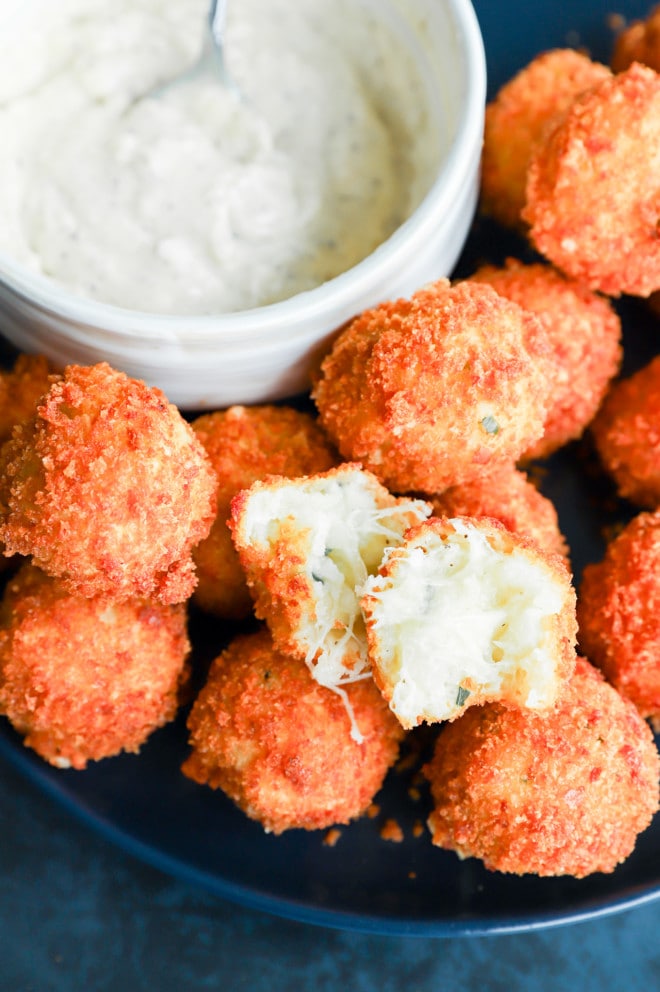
490, 425
462, 695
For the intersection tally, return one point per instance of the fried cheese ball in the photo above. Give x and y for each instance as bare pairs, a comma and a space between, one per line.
280, 745
433, 391
585, 335
619, 613
639, 42
107, 488
593, 189
518, 119
245, 444
85, 678
508, 496
21, 388
465, 612
626, 435
559, 793
306, 546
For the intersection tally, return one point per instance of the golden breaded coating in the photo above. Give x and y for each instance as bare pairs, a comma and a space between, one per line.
638, 42
21, 388
519, 118
619, 613
465, 612
307, 546
509, 496
559, 793
108, 488
433, 391
245, 444
85, 678
593, 189
280, 745
627, 436
585, 334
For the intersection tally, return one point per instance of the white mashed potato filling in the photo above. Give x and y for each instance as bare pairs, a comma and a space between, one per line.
337, 526
453, 616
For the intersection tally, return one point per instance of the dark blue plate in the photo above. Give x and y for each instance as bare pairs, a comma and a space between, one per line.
363, 882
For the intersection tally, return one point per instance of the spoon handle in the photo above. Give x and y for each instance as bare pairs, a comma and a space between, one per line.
217, 18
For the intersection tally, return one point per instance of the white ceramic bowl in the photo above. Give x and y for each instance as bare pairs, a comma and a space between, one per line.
259, 355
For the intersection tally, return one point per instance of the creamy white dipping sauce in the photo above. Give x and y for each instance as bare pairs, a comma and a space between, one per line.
194, 202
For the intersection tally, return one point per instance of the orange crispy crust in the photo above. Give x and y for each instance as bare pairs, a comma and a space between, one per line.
593, 190
585, 334
560, 794
519, 118
619, 613
639, 42
108, 488
406, 386
21, 388
245, 444
626, 433
280, 746
83, 679
506, 495
563, 625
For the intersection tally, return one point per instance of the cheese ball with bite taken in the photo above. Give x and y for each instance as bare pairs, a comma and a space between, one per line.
619, 613
85, 678
564, 792
626, 435
638, 42
433, 391
245, 444
465, 612
107, 488
280, 745
584, 331
509, 496
519, 117
307, 545
593, 188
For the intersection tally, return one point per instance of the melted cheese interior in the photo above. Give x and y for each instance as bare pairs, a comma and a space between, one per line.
458, 616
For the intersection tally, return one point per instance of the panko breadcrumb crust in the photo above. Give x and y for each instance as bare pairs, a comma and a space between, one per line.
519, 117
107, 488
433, 391
564, 793
626, 434
21, 388
638, 42
245, 444
593, 188
280, 745
85, 678
509, 496
619, 613
584, 331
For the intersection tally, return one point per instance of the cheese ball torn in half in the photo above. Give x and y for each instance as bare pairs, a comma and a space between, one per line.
307, 546
465, 612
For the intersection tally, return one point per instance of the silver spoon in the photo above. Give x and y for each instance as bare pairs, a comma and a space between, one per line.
211, 61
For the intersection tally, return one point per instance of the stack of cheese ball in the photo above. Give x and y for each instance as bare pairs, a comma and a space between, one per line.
402, 566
